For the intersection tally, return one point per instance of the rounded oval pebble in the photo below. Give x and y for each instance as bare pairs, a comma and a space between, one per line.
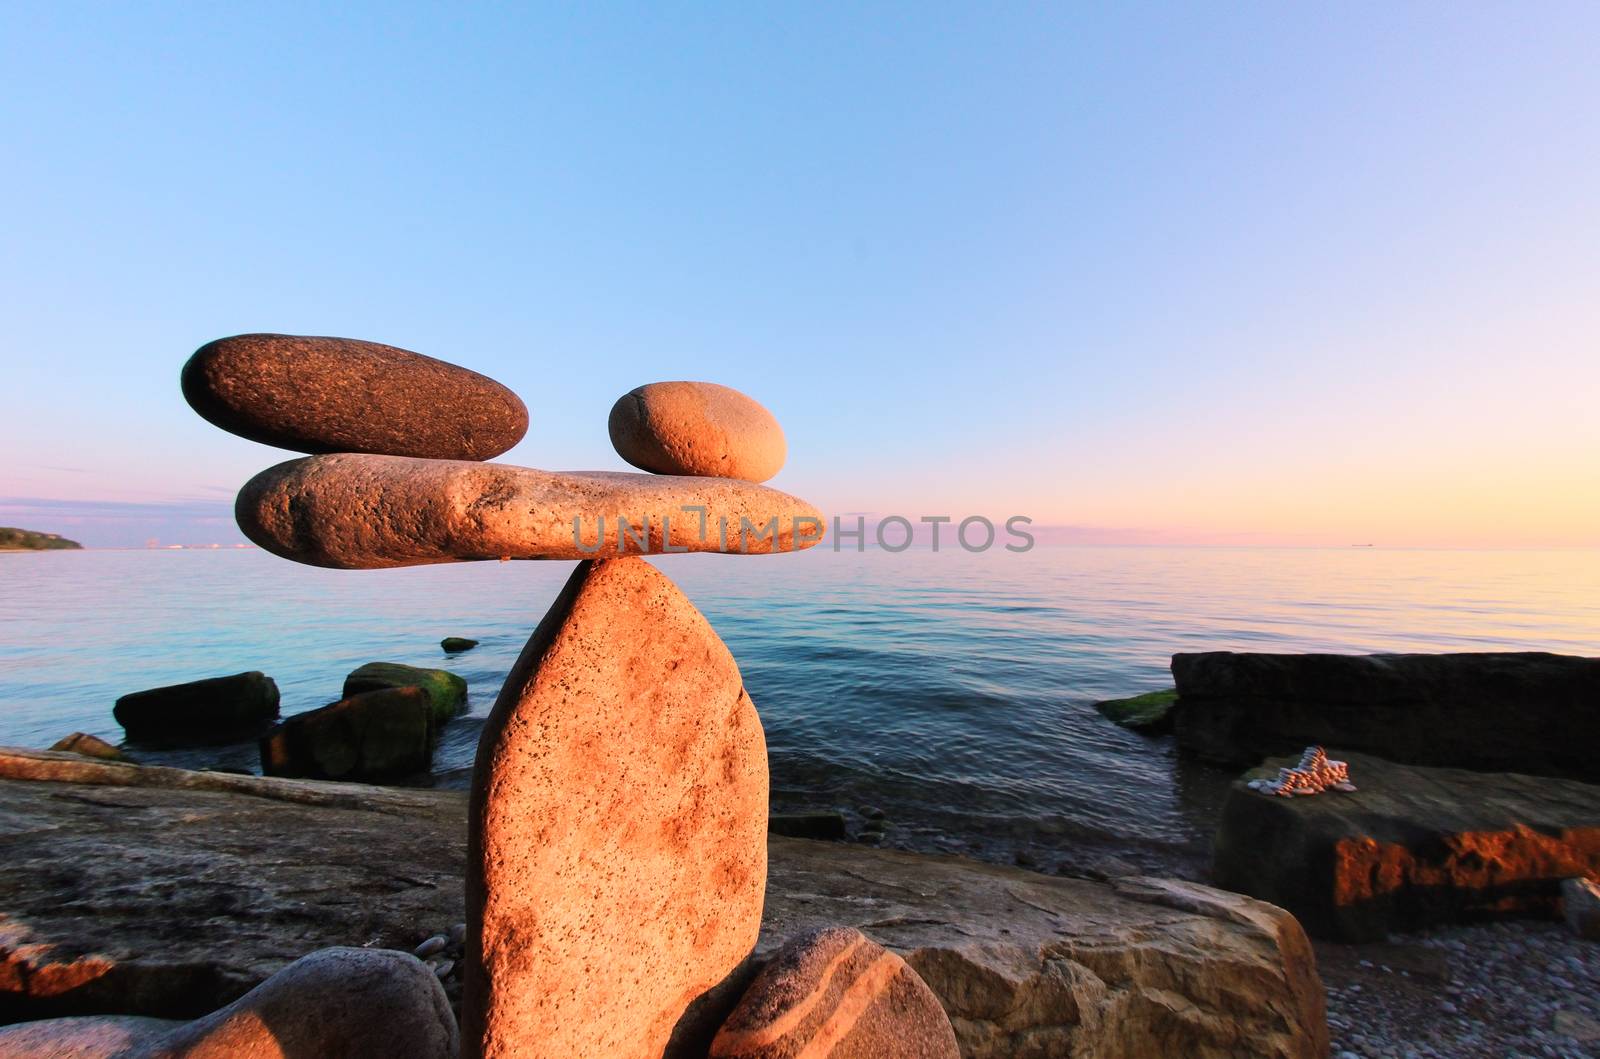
321, 395
697, 428
430, 947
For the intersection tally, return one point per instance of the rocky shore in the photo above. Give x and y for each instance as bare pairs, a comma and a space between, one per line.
163, 892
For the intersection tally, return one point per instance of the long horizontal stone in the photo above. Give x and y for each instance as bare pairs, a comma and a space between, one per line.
361, 512
109, 869
1527, 712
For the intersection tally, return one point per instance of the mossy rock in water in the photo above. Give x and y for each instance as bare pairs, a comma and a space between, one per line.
446, 690
1150, 713
454, 645
368, 737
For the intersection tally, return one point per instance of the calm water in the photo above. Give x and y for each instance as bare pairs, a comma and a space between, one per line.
951, 690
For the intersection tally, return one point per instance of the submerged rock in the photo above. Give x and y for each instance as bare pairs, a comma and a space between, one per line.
454, 645
369, 736
1525, 712
1413, 847
836, 993
336, 1002
446, 691
829, 827
322, 510
217, 709
103, 885
617, 847
697, 428
88, 746
314, 394
1150, 713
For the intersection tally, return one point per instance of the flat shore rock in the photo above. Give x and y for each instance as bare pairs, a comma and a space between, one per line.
1411, 847
360, 512
315, 394
174, 896
1527, 712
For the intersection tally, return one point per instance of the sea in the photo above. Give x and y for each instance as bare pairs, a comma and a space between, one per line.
951, 691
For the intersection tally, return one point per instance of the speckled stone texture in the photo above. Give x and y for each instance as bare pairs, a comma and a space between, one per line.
335, 1002
697, 428
617, 830
357, 512
313, 394
836, 994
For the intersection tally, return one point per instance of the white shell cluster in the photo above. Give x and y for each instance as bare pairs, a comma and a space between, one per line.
1315, 774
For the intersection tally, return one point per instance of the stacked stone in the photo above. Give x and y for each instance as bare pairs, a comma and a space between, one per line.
617, 846
1313, 774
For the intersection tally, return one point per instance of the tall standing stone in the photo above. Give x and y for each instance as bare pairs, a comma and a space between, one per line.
617, 849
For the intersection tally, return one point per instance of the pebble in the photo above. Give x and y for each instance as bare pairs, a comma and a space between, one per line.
697, 428
458, 934
1520, 988
432, 947
314, 394
442, 969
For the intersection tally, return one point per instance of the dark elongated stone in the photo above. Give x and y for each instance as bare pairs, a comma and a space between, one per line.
1527, 712
200, 711
343, 1001
836, 994
313, 394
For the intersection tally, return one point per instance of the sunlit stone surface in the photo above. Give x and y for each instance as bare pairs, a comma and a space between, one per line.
617, 850
361, 511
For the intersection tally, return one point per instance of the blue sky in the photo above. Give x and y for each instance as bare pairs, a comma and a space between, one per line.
1211, 273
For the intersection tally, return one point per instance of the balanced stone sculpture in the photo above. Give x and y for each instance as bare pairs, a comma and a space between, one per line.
617, 845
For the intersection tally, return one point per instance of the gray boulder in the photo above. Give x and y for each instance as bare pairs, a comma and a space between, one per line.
336, 1002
